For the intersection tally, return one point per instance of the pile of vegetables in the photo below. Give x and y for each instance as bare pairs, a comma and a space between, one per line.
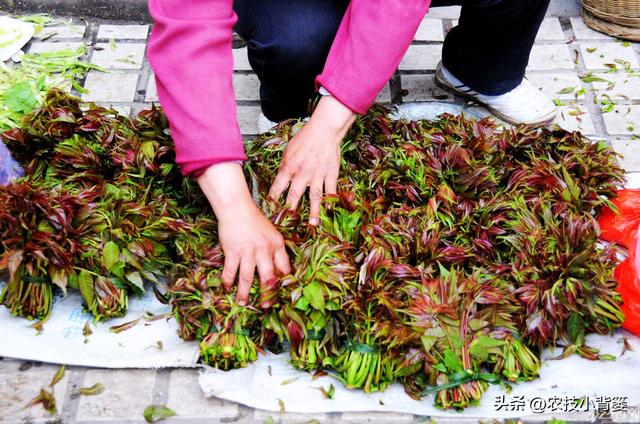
24, 85
452, 253
474, 249
98, 211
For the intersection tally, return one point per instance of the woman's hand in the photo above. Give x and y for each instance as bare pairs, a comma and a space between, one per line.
312, 158
248, 238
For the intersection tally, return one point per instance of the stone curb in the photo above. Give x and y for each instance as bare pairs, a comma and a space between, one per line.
129, 10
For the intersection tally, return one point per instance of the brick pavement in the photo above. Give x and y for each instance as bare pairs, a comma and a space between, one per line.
566, 57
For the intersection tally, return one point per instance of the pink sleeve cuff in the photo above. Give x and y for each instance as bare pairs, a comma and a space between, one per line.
372, 39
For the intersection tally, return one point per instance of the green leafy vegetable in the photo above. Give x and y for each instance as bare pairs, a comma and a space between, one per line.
155, 413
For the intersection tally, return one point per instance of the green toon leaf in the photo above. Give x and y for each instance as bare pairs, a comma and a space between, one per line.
313, 293
110, 255
155, 413
20, 98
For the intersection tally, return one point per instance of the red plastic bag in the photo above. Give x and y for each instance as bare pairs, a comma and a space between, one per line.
627, 275
616, 226
632, 242
623, 228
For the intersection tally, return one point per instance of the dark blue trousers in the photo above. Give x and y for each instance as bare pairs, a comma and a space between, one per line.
289, 40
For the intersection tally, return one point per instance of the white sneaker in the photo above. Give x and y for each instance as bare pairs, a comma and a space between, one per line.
525, 104
264, 125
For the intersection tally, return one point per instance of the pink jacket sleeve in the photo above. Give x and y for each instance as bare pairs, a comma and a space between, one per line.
373, 37
190, 52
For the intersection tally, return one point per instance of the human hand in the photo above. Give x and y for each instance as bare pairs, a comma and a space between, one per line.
247, 237
312, 157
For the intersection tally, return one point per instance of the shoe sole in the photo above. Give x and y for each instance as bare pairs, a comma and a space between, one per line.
441, 82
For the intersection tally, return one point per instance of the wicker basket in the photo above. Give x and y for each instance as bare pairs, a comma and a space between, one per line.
618, 18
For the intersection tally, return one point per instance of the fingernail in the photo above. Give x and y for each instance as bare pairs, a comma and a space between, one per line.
242, 302
313, 221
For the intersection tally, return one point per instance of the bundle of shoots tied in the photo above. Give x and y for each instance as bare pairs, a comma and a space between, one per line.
191, 294
34, 143
467, 338
126, 247
375, 336
39, 241
128, 229
145, 159
197, 242
562, 275
229, 334
231, 342
311, 299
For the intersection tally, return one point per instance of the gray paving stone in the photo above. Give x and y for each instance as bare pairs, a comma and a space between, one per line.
124, 110
453, 420
385, 94
376, 417
187, 400
629, 150
9, 365
446, 12
127, 393
19, 387
240, 60
110, 87
152, 90
51, 46
136, 108
545, 57
583, 32
564, 8
119, 55
585, 417
63, 31
550, 30
247, 86
248, 119
120, 109
632, 415
553, 83
63, 85
619, 85
421, 58
263, 416
421, 88
430, 30
570, 121
607, 53
119, 32
624, 120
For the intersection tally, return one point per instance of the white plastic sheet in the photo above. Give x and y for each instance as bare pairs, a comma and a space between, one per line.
431, 110
14, 34
62, 340
633, 180
260, 386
